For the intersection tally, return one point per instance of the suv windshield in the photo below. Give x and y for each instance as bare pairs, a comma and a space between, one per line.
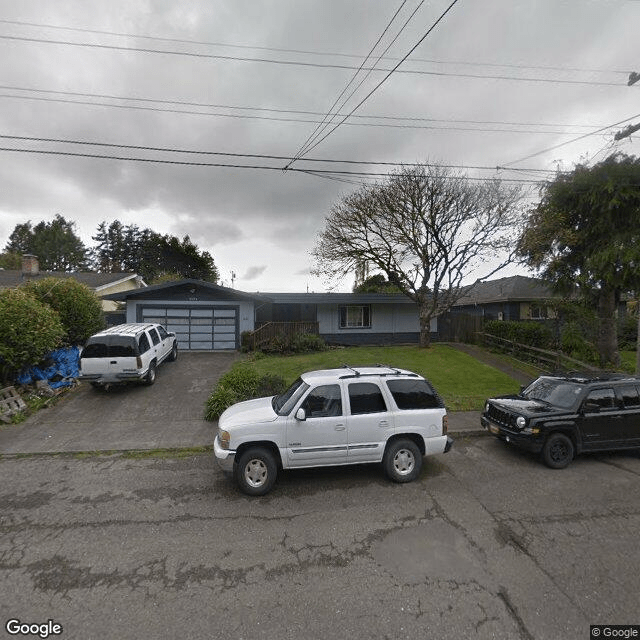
556, 392
283, 404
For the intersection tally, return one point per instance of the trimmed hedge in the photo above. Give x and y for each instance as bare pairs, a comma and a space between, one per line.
533, 334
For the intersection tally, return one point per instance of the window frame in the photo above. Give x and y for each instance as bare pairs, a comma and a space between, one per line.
343, 316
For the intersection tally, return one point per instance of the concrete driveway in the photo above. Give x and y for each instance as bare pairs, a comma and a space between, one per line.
167, 414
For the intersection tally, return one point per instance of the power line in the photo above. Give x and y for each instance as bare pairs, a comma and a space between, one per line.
562, 144
275, 119
312, 64
320, 172
320, 128
624, 72
94, 143
278, 110
415, 46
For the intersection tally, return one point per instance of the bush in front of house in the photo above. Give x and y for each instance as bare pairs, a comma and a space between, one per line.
299, 343
77, 305
575, 345
29, 330
239, 384
532, 334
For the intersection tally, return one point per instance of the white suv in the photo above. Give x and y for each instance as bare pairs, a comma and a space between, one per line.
334, 417
125, 353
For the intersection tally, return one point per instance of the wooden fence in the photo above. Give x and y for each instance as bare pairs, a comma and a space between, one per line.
285, 330
548, 361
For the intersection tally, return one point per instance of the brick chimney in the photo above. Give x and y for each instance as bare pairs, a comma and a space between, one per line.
30, 266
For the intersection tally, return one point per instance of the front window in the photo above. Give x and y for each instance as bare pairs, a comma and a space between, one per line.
556, 392
323, 402
539, 313
284, 403
355, 317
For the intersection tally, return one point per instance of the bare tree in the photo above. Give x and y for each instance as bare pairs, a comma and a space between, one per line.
426, 228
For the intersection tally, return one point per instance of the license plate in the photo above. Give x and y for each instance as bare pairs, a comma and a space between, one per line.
494, 429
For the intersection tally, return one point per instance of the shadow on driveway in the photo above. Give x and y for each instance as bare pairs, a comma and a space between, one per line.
167, 414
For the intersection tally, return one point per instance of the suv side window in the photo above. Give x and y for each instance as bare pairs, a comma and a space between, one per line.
154, 336
144, 343
162, 332
601, 399
413, 394
366, 397
630, 396
323, 402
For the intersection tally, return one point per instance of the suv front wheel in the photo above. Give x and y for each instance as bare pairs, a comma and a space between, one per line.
402, 461
256, 471
557, 452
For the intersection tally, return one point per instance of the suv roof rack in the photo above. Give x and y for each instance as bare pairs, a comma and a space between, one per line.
392, 371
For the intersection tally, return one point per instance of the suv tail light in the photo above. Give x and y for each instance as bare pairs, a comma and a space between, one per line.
138, 362
445, 424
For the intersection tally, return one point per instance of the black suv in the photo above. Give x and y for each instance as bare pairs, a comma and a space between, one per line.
562, 416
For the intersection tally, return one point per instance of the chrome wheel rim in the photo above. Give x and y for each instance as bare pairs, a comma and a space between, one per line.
403, 462
255, 473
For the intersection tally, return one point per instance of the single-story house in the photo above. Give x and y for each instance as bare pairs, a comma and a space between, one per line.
103, 284
206, 316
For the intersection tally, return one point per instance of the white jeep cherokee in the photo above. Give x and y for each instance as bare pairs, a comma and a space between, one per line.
126, 353
334, 417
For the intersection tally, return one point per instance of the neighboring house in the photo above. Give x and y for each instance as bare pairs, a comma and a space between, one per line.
512, 298
102, 283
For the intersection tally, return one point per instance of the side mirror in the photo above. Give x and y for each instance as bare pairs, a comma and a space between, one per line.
171, 334
301, 415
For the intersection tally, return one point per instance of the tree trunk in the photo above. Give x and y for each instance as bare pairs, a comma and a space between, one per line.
607, 334
425, 326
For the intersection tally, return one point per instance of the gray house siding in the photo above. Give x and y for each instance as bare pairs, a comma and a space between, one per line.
389, 324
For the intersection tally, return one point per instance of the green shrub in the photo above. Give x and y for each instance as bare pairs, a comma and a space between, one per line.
574, 344
29, 330
628, 332
79, 308
307, 342
241, 383
533, 334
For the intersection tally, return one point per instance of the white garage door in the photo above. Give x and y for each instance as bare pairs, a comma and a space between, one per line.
197, 328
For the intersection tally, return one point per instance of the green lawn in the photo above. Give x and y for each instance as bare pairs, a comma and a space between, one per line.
462, 381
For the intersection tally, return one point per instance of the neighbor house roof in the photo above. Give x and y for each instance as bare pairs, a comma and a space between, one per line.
337, 298
513, 288
157, 291
96, 281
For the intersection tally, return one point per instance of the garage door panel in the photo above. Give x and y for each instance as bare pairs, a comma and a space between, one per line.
197, 329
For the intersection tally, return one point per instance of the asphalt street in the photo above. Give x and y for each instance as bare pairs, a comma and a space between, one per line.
488, 543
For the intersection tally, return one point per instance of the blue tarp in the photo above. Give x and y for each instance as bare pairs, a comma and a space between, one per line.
61, 368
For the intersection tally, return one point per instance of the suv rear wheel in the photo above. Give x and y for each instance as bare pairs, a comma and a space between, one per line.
256, 471
150, 378
402, 461
558, 450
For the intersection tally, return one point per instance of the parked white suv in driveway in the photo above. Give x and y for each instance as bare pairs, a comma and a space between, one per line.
125, 353
334, 417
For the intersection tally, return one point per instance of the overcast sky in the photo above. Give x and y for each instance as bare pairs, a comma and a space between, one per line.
559, 67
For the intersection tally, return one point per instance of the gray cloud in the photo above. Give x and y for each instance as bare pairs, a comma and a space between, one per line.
265, 216
253, 272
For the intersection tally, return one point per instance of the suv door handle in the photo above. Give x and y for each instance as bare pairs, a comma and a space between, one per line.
383, 423
339, 427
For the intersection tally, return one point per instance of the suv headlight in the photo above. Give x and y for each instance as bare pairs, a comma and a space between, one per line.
224, 438
486, 407
521, 422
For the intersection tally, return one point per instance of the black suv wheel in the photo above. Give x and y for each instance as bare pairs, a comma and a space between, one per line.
558, 451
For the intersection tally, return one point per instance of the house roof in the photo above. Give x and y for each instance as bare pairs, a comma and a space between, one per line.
96, 281
337, 298
159, 291
513, 288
